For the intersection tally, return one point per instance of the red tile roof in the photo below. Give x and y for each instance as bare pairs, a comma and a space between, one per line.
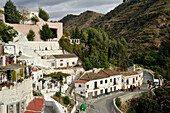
36, 105
81, 81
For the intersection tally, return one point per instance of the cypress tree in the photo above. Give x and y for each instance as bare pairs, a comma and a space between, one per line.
11, 13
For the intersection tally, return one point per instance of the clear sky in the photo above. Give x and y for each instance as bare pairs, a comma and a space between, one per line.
57, 9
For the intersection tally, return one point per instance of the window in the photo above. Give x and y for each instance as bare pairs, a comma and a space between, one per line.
61, 64
101, 91
87, 86
95, 93
114, 80
101, 82
81, 92
133, 80
122, 80
105, 81
127, 81
52, 64
73, 63
79, 85
136, 78
111, 89
110, 80
61, 60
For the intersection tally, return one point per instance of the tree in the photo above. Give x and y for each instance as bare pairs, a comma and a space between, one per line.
87, 64
147, 105
103, 60
118, 102
21, 71
77, 33
14, 75
35, 19
11, 13
46, 33
43, 14
58, 94
31, 35
66, 100
7, 32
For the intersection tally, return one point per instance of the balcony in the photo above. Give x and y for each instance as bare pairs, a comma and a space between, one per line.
115, 83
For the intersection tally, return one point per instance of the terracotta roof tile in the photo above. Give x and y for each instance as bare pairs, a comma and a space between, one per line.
35, 106
81, 81
101, 74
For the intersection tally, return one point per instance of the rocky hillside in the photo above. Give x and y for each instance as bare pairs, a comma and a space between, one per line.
83, 20
143, 23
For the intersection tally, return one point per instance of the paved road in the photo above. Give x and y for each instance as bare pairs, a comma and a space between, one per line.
105, 105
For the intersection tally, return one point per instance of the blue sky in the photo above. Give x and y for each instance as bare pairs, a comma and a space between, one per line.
57, 9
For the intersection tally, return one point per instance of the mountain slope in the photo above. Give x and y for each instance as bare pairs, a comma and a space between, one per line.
143, 23
83, 20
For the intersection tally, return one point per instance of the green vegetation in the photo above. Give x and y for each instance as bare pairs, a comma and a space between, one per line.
21, 71
11, 13
98, 50
35, 19
66, 100
131, 110
43, 14
148, 105
6, 32
36, 93
118, 102
26, 77
59, 76
159, 103
162, 97
46, 33
31, 35
20, 80
58, 94
14, 75
156, 61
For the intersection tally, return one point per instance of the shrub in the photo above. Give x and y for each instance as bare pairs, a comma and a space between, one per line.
31, 35
156, 75
21, 71
14, 75
20, 80
58, 94
26, 77
131, 110
118, 102
66, 100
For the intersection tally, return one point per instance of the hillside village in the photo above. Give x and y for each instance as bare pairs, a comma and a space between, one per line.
40, 75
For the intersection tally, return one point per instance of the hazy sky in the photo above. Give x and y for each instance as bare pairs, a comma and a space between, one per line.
57, 9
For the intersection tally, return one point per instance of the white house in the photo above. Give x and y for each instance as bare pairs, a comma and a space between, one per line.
40, 53
93, 84
36, 75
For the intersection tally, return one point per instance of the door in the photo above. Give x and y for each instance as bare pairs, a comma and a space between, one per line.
106, 91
